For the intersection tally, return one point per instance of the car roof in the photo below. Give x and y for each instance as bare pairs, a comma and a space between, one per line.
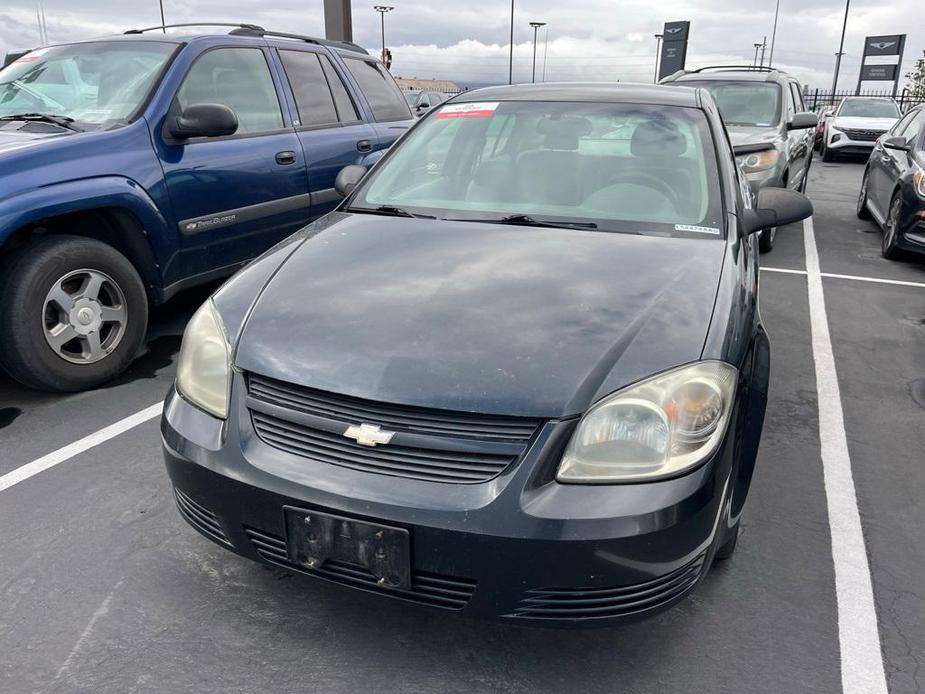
855, 97
744, 75
611, 92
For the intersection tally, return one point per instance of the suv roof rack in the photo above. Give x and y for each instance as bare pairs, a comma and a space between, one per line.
751, 68
259, 31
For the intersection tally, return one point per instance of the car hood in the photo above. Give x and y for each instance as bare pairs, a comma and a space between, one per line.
480, 317
13, 136
751, 135
855, 123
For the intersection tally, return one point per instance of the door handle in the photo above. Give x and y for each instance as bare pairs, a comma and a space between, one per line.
364, 146
287, 157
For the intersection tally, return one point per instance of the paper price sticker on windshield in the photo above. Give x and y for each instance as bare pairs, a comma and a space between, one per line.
31, 56
475, 109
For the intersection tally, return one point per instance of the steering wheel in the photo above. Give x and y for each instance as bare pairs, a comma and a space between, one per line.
649, 181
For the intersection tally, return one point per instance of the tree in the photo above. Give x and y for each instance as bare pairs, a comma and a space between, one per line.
916, 77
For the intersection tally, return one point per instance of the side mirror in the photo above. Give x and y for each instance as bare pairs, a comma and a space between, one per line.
348, 178
896, 142
803, 120
423, 105
776, 207
828, 112
203, 120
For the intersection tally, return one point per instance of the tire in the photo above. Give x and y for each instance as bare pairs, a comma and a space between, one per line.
861, 209
766, 240
805, 182
73, 313
828, 155
728, 548
889, 247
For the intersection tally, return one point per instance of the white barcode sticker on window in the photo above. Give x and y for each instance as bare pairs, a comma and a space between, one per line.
474, 109
697, 230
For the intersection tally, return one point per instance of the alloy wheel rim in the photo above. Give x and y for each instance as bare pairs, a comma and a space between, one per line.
84, 316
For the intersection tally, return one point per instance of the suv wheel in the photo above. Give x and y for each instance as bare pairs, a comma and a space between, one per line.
73, 313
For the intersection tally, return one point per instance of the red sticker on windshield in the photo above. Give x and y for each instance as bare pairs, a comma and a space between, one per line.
27, 59
475, 109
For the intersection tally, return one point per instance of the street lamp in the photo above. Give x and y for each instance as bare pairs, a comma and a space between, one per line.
382, 9
510, 62
774, 34
163, 23
658, 52
755, 61
841, 48
536, 26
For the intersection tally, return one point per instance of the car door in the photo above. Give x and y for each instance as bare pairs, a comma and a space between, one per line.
390, 113
799, 140
233, 196
331, 133
882, 166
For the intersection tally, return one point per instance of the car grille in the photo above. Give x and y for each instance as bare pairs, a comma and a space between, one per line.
436, 590
592, 603
200, 518
863, 135
438, 445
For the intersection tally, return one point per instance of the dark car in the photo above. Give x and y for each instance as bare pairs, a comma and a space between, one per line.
893, 187
519, 372
422, 101
767, 122
133, 167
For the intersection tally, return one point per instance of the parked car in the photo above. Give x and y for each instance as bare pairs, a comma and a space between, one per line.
893, 187
767, 121
856, 125
422, 101
824, 113
522, 375
136, 166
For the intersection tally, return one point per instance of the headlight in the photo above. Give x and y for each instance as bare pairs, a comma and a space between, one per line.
918, 180
758, 161
660, 427
204, 368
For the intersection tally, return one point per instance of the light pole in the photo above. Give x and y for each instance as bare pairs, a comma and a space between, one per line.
764, 45
841, 48
382, 9
545, 50
774, 34
536, 26
658, 52
755, 61
163, 23
510, 62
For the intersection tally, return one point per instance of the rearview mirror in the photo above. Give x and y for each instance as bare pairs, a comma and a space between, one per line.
776, 207
203, 120
896, 142
803, 120
348, 178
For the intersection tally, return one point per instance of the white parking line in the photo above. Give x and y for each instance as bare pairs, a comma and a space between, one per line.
87, 442
856, 278
859, 639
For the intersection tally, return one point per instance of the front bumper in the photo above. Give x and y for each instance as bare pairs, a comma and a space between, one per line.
519, 547
841, 142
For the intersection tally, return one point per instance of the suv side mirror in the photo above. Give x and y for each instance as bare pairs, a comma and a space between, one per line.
203, 120
803, 120
776, 207
348, 178
896, 142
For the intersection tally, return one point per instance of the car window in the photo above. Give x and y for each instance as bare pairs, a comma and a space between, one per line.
309, 87
238, 78
741, 102
868, 108
914, 128
791, 104
797, 97
346, 110
623, 167
902, 123
381, 92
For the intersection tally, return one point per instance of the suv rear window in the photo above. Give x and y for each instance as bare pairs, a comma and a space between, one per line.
743, 102
381, 92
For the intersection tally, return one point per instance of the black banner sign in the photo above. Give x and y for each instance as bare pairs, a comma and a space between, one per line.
674, 47
884, 45
880, 46
880, 73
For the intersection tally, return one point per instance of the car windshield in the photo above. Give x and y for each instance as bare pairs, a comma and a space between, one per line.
869, 108
95, 84
614, 167
743, 103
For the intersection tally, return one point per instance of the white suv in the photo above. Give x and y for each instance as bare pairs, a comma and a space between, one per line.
857, 123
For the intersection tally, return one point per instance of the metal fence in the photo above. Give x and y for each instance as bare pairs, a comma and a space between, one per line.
820, 99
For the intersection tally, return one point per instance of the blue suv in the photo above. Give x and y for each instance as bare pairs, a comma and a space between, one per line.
136, 166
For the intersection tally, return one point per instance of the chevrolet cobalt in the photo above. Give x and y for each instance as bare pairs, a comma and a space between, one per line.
518, 372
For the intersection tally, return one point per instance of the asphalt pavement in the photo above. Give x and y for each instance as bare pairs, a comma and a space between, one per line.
103, 588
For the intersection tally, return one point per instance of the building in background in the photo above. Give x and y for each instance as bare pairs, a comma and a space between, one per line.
447, 86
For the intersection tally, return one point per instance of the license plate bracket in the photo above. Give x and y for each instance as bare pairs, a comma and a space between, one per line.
313, 538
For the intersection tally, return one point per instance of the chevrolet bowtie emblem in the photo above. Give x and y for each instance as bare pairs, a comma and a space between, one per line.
368, 434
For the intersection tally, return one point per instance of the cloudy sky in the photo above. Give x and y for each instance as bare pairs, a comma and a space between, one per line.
468, 41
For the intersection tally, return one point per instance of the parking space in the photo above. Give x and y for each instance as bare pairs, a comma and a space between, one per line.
104, 588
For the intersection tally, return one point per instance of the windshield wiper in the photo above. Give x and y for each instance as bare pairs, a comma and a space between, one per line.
61, 121
527, 220
390, 210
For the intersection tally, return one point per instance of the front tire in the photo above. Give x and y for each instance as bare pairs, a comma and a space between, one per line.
728, 548
73, 313
862, 211
828, 155
889, 245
